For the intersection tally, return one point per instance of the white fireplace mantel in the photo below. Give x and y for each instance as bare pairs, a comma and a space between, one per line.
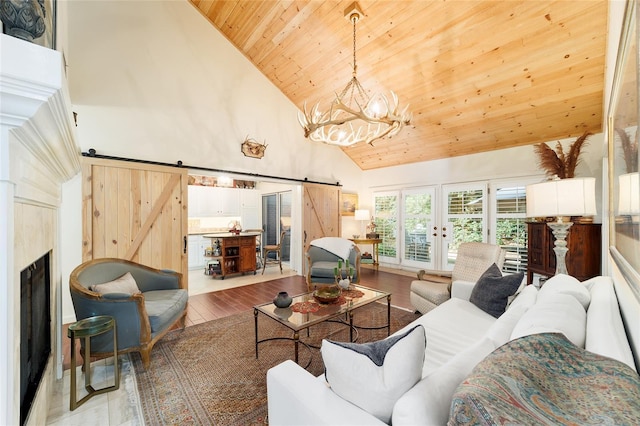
38, 153
34, 102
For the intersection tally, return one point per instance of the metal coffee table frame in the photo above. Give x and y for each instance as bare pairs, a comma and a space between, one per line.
297, 322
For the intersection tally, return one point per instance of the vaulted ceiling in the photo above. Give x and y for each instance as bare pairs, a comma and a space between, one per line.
477, 75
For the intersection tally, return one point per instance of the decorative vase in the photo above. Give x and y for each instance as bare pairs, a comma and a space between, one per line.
282, 300
23, 19
344, 284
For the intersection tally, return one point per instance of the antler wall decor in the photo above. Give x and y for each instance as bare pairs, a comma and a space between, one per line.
252, 148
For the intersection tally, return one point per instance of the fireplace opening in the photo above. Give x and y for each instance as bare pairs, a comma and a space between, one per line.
35, 329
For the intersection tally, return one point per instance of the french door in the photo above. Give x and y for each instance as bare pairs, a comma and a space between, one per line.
418, 219
404, 220
422, 227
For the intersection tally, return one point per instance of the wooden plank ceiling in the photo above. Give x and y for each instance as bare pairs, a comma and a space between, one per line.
477, 75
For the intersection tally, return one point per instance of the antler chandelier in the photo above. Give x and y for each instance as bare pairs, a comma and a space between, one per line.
354, 117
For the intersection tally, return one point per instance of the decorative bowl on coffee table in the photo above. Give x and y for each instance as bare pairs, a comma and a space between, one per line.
327, 294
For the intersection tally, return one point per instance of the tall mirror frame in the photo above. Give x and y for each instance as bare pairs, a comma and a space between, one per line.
622, 134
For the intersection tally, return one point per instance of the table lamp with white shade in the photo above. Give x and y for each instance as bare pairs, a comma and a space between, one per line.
629, 195
362, 215
561, 198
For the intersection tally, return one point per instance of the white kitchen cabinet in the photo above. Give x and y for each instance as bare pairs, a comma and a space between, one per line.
250, 198
196, 195
250, 209
197, 245
204, 243
209, 201
196, 257
229, 201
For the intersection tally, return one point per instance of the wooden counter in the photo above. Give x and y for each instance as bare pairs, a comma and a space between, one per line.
238, 253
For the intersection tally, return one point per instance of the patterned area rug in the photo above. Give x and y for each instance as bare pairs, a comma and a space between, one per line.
208, 374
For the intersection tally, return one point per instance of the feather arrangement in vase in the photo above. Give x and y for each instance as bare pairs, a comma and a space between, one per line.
629, 150
558, 164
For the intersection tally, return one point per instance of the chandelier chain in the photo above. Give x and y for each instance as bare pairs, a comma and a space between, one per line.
354, 19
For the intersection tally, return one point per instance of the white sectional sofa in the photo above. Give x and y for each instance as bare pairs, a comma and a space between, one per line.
458, 336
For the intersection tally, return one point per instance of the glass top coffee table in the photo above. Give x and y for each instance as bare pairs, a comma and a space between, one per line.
305, 311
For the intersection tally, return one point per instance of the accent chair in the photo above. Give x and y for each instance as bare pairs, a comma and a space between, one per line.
433, 287
145, 302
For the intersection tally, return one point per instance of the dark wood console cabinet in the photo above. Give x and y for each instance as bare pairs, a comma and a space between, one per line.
583, 258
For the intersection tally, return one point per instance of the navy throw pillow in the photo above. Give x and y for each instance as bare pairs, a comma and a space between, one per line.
492, 290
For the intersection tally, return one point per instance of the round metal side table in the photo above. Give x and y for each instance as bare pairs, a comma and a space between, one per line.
87, 328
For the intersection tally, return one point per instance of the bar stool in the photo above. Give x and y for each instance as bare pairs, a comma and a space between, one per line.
86, 329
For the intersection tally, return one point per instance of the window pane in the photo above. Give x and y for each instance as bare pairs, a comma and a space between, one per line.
511, 235
511, 229
416, 246
465, 202
386, 220
511, 200
465, 230
417, 213
466, 215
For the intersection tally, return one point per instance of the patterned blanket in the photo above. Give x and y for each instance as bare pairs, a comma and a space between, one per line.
544, 379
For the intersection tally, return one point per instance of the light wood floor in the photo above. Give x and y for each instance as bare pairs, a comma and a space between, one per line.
218, 304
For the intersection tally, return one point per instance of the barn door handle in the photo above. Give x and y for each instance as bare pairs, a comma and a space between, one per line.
185, 245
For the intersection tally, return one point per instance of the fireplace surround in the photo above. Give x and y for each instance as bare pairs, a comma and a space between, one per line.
38, 153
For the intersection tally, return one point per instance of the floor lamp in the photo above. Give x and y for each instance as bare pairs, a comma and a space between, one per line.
561, 199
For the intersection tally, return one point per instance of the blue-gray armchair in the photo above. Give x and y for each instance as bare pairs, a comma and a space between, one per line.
321, 263
145, 309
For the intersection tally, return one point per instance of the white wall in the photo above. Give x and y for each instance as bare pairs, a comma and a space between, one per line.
154, 80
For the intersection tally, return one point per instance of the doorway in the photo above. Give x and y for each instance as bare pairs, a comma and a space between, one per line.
276, 217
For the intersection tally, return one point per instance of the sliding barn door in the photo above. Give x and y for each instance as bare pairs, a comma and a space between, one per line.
135, 211
321, 214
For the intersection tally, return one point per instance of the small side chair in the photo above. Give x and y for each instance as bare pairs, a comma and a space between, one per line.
273, 248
